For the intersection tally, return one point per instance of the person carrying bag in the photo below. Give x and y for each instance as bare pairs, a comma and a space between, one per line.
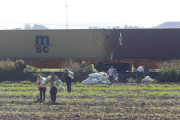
68, 79
53, 90
41, 88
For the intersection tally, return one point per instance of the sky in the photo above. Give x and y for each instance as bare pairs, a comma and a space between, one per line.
85, 13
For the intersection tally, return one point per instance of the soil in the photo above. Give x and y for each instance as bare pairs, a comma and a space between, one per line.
154, 107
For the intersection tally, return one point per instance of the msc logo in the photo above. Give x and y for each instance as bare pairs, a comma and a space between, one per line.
42, 44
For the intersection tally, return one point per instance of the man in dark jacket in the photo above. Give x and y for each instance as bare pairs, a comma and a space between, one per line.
68, 79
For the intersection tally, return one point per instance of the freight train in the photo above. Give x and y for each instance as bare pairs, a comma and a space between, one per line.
121, 48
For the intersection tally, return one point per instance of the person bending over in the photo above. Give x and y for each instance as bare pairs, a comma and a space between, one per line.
139, 72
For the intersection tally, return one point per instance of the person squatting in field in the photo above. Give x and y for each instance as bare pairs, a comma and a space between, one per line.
53, 90
139, 72
41, 88
68, 79
111, 74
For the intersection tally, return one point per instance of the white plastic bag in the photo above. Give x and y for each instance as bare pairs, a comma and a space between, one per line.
42, 81
48, 78
59, 87
87, 80
71, 74
57, 82
37, 96
97, 78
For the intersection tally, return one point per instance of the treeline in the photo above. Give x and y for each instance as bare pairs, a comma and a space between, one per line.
116, 27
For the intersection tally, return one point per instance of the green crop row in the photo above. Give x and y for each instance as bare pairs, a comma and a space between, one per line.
102, 87
96, 88
98, 93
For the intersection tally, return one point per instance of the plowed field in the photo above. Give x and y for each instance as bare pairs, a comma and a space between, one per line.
94, 101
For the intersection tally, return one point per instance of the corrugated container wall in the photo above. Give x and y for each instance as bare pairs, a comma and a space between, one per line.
146, 44
52, 44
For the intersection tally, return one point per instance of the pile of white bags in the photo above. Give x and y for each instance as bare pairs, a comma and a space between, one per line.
131, 80
101, 77
148, 79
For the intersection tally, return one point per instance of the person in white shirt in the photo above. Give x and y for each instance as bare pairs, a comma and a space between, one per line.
139, 72
111, 73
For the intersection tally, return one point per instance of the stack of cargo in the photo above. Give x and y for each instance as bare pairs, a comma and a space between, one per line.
101, 77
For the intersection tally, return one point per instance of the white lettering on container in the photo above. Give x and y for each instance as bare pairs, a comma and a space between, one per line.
120, 39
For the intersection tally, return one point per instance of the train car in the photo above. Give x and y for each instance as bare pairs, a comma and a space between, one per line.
146, 44
52, 44
121, 48
50, 48
146, 47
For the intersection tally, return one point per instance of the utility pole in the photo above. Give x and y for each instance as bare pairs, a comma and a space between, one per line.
66, 15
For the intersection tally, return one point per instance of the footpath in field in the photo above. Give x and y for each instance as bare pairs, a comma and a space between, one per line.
93, 101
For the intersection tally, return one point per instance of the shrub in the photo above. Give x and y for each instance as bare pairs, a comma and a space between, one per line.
11, 70
30, 69
169, 72
80, 71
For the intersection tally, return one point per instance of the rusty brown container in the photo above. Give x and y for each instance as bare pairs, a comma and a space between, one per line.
154, 44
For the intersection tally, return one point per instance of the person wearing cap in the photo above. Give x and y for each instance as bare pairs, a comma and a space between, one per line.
139, 72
